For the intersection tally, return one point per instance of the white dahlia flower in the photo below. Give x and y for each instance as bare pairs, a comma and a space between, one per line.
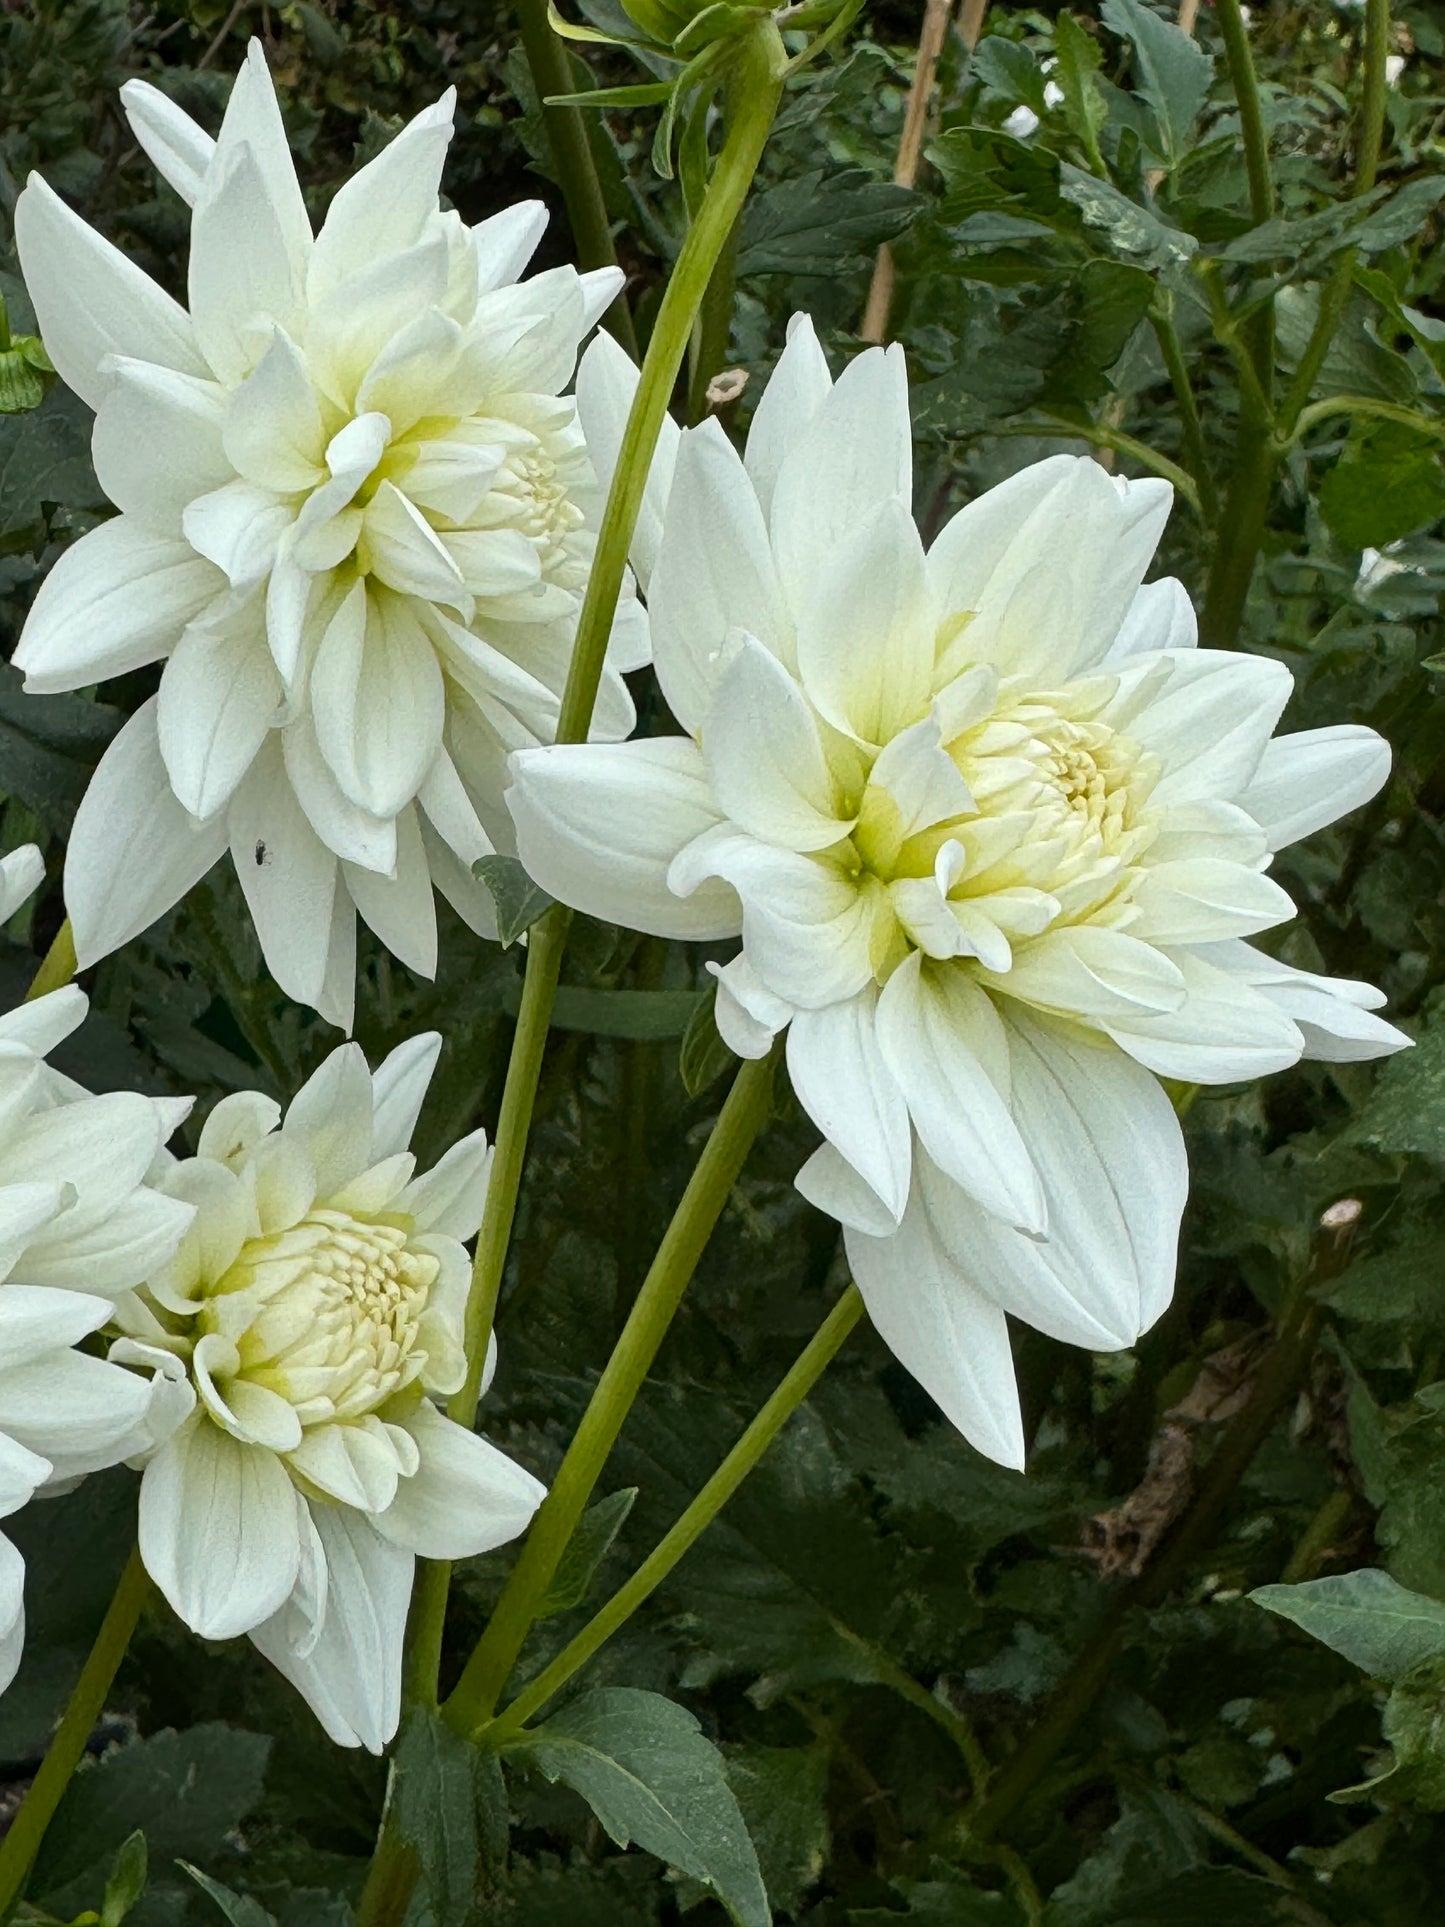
994, 834
79, 1224
353, 525
309, 1316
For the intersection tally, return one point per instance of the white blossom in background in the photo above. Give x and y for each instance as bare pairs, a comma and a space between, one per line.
79, 1224
353, 526
995, 835
301, 1331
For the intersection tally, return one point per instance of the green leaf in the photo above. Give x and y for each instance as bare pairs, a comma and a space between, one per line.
645, 1015
519, 901
704, 1056
644, 1767
1011, 70
586, 1549
1388, 483
45, 457
1366, 1616
239, 1909
127, 1880
188, 1791
1131, 230
48, 747
1076, 71
816, 224
450, 1807
1172, 70
783, 1793
1406, 1109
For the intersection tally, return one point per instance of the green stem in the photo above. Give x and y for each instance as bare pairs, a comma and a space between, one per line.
58, 965
755, 87
1251, 116
1388, 411
487, 1671
574, 163
67, 1749
1195, 458
390, 1882
795, 1387
714, 327
1334, 298
755, 96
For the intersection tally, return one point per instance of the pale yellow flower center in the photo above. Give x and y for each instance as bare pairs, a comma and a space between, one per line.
329, 1312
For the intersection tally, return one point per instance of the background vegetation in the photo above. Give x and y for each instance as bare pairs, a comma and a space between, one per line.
946, 1694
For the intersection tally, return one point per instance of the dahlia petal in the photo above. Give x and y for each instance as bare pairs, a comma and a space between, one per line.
134, 851
219, 697
401, 908
80, 1413
606, 384
599, 825
399, 1086
947, 1050
1312, 778
385, 207
450, 1198
288, 876
856, 455
951, 1337
116, 600
91, 301
506, 242
797, 388
712, 574
245, 274
331, 1115
768, 770
218, 1529
465, 1498
157, 441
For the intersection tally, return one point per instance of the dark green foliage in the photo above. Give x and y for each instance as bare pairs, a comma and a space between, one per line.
814, 1675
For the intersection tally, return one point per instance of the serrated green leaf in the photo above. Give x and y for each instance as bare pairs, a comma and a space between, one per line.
1389, 482
644, 1767
586, 1549
1376, 1623
1011, 70
1131, 229
1076, 72
816, 224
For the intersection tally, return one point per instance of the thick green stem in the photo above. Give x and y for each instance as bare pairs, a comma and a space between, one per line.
67, 1749
487, 1671
1251, 116
795, 1387
574, 161
1241, 530
1335, 296
58, 965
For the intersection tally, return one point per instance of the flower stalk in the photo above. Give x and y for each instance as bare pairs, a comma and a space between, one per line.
742, 1117
67, 1749
753, 98
807, 1369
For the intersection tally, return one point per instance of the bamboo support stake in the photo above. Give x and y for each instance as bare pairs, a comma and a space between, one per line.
910, 146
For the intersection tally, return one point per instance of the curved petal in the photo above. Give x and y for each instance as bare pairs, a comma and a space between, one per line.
384, 207
348, 1671
599, 825
12, 1611
289, 878
134, 851
378, 700
948, 1051
451, 1196
1161, 616
91, 301
765, 756
245, 273
22, 872
845, 1083
1108, 1149
1312, 778
713, 574
157, 441
399, 1086
606, 384
218, 1529
219, 696
465, 1497
331, 1115
856, 454
401, 908
1208, 721
178, 149
948, 1335
79, 1412
797, 388
117, 599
